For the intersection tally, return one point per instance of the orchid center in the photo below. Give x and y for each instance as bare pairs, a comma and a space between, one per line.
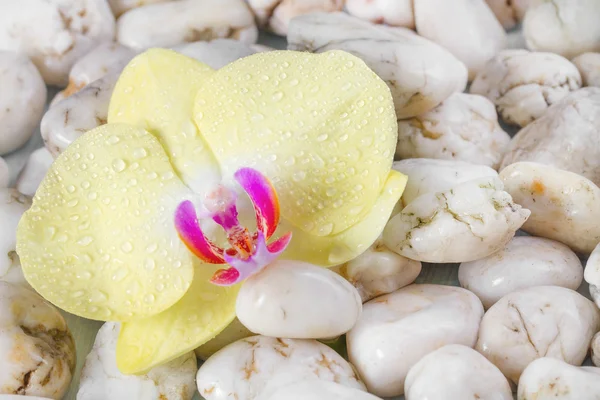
248, 252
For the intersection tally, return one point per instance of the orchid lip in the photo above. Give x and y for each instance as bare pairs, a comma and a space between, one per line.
248, 253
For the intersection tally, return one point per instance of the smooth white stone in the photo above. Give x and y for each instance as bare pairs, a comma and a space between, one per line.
259, 365
379, 271
102, 380
396, 330
541, 321
171, 23
427, 175
463, 128
217, 53
420, 73
275, 15
297, 300
456, 372
565, 137
509, 13
70, 118
318, 390
595, 349
34, 171
588, 65
22, 101
592, 274
524, 84
4, 173
524, 262
37, 352
565, 27
552, 379
468, 222
12, 206
234, 332
564, 206
119, 7
102, 60
55, 33
467, 28
389, 12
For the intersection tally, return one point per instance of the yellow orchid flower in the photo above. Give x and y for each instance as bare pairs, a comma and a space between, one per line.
110, 233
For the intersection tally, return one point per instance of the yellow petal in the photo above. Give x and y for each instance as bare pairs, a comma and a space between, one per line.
156, 91
338, 249
321, 126
199, 316
99, 240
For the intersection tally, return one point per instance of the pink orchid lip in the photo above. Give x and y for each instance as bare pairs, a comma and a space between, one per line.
249, 253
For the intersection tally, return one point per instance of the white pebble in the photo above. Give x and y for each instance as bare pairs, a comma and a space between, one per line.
552, 379
259, 365
12, 206
541, 321
468, 222
35, 170
55, 33
318, 390
427, 175
22, 101
396, 330
456, 372
467, 28
524, 262
37, 351
463, 128
298, 300
102, 380
524, 84
379, 271
588, 65
171, 23
564, 206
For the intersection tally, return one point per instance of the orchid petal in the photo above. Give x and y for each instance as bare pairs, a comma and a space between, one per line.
99, 238
156, 91
201, 314
280, 244
226, 277
263, 197
186, 223
321, 127
337, 249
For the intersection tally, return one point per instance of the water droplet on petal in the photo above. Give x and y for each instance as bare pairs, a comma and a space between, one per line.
118, 165
127, 247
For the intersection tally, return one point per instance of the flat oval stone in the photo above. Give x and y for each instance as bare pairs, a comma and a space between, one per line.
456, 372
298, 300
524, 262
542, 321
552, 379
564, 206
396, 330
260, 365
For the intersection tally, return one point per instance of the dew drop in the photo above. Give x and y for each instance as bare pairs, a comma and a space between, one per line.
84, 275
86, 240
120, 274
149, 264
118, 165
149, 298
294, 82
299, 176
331, 192
70, 189
113, 140
127, 247
323, 137
140, 152
277, 96
160, 287
326, 229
